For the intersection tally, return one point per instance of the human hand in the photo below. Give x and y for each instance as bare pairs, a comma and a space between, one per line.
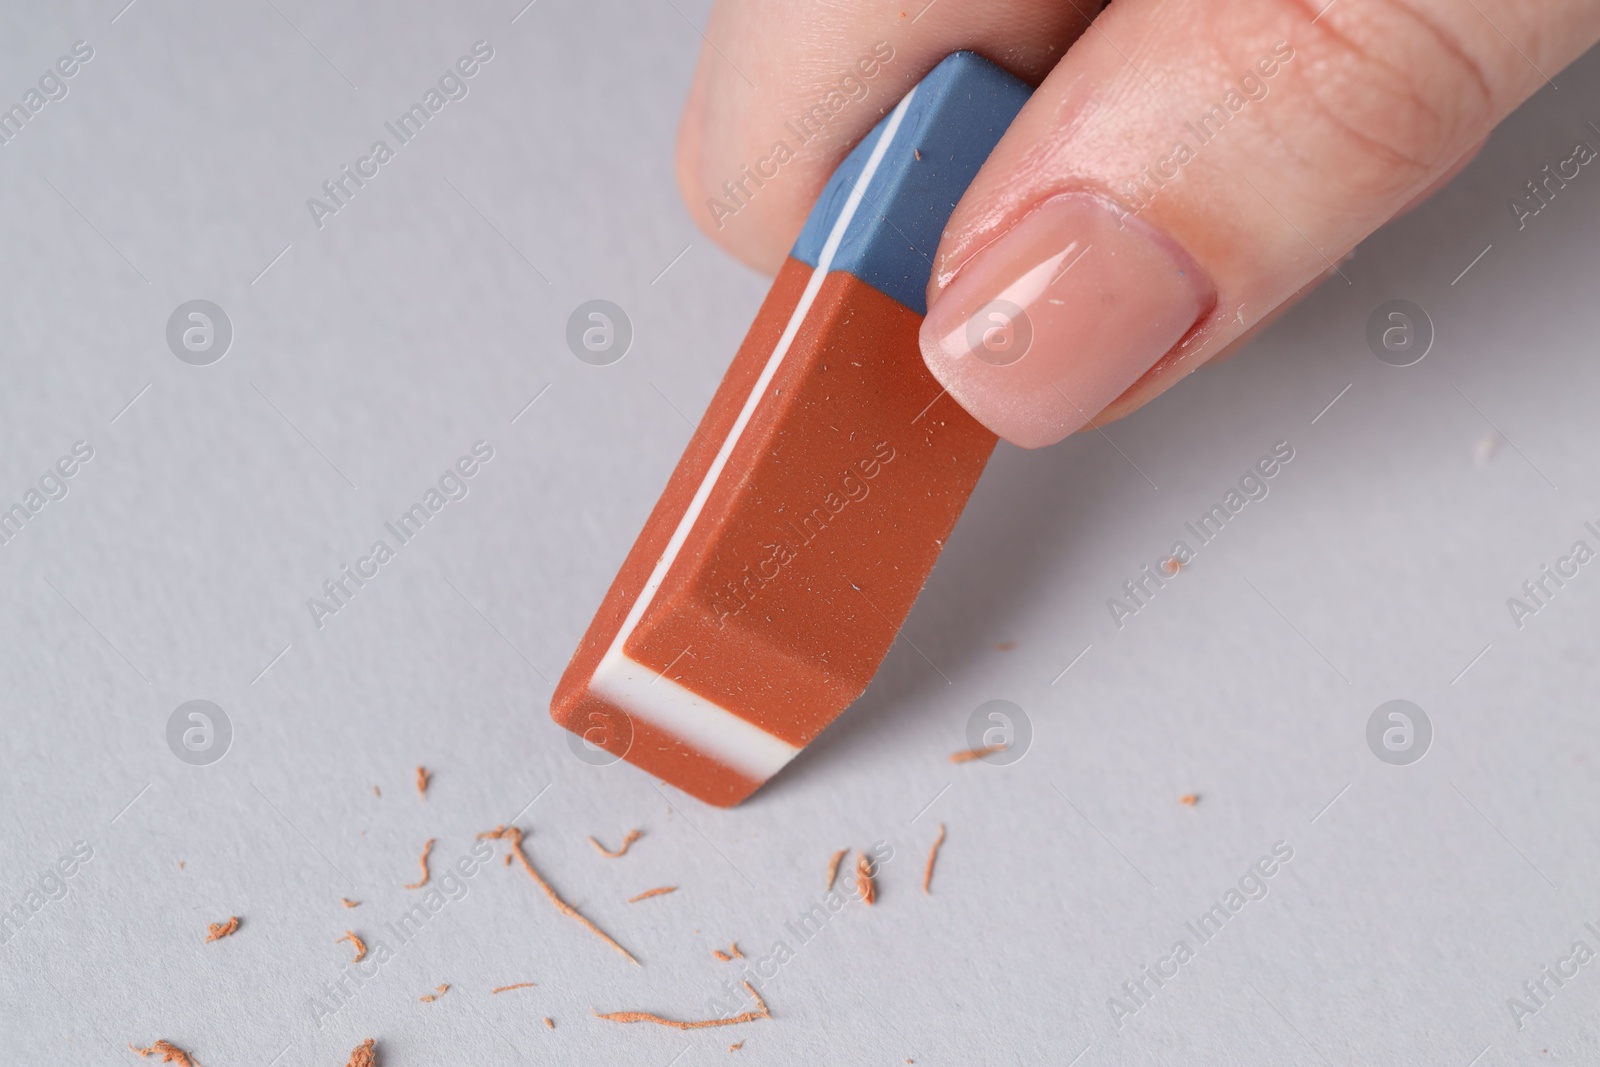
1184, 170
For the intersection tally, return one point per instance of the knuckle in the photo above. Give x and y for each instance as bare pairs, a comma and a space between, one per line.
1390, 92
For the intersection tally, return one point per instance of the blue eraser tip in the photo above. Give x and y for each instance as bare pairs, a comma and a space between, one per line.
920, 158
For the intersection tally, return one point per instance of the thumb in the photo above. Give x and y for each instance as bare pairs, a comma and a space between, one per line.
1191, 164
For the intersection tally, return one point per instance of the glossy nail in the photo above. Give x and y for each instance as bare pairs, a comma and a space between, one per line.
1046, 326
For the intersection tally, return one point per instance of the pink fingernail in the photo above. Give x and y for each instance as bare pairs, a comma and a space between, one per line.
1044, 328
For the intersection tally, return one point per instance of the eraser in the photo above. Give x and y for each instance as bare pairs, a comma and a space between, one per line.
816, 494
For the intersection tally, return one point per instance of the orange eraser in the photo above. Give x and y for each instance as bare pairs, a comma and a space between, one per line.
816, 494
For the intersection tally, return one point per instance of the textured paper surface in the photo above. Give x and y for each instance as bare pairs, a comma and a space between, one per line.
426, 314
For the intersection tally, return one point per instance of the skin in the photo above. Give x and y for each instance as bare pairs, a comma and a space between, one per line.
1383, 102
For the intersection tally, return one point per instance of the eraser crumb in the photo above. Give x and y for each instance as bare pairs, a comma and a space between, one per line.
362, 1055
864, 883
761, 1012
970, 754
660, 890
427, 849
360, 945
514, 836
833, 867
933, 854
168, 1052
627, 842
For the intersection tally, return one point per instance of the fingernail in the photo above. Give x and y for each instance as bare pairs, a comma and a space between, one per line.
1046, 326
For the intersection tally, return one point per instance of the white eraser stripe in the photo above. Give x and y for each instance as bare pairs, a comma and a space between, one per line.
691, 718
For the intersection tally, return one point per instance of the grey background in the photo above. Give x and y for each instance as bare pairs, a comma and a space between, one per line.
428, 313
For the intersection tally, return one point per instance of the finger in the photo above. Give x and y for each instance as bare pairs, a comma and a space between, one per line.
1232, 348
784, 88
1189, 165
1152, 384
